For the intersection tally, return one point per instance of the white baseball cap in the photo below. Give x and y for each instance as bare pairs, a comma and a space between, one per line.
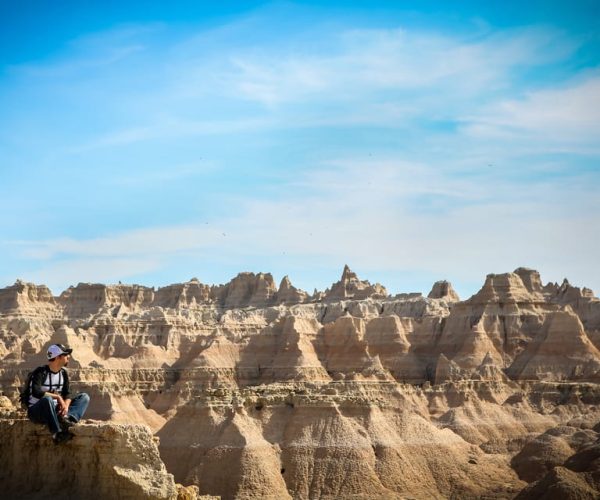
56, 350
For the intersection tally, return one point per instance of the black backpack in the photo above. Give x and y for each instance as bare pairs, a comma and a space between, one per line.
26, 389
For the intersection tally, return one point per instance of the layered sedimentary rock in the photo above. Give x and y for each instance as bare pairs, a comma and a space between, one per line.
289, 294
443, 290
102, 461
350, 287
264, 391
26, 298
561, 350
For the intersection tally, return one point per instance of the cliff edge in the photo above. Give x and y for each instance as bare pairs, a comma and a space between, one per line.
102, 461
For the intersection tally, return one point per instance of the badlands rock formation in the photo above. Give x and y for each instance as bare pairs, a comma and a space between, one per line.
102, 459
259, 391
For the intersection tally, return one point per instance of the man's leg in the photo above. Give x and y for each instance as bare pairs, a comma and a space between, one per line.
44, 412
78, 406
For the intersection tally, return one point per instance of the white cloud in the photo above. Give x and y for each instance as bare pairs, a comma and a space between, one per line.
61, 274
367, 61
170, 128
387, 77
152, 241
569, 115
75, 65
466, 242
365, 213
173, 173
91, 51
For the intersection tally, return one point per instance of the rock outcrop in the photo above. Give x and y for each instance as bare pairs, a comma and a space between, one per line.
443, 290
350, 287
101, 461
559, 473
507, 288
561, 350
289, 294
26, 297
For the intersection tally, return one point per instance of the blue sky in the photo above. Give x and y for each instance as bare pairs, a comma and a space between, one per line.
150, 143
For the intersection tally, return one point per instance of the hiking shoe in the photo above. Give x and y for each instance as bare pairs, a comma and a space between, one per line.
66, 422
62, 437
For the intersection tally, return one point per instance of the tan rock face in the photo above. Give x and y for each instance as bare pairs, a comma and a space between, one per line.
265, 392
289, 294
562, 350
350, 287
443, 290
183, 295
249, 289
101, 461
506, 288
323, 445
566, 445
22, 296
560, 483
447, 370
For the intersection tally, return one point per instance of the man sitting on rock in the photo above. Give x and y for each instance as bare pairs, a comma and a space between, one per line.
49, 399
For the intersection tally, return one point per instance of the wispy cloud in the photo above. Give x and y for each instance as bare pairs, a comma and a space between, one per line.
366, 213
63, 273
561, 117
367, 61
387, 77
152, 241
171, 128
171, 174
91, 52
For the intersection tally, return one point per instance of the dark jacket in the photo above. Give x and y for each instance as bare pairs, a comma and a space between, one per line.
45, 380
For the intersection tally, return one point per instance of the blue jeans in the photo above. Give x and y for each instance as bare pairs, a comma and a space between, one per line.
44, 411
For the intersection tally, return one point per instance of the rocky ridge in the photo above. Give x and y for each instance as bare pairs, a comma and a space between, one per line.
344, 393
